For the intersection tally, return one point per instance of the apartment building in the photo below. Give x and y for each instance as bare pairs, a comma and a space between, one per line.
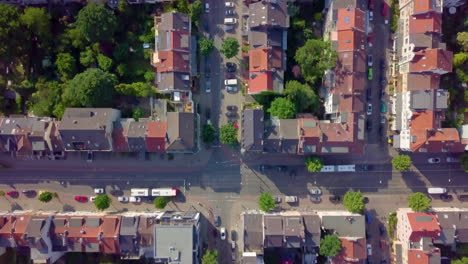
420, 103
163, 236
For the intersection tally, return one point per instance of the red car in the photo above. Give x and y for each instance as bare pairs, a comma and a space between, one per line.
371, 4
82, 199
370, 39
13, 194
382, 244
384, 9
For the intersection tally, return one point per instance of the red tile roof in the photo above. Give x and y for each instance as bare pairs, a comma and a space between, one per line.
432, 60
173, 61
21, 224
350, 18
265, 59
431, 22
348, 84
351, 252
351, 62
351, 103
110, 234
351, 40
421, 82
156, 136
119, 140
259, 82
423, 6
423, 225
176, 37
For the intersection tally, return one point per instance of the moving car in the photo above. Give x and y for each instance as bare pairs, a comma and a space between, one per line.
122, 199
433, 160
370, 74
208, 86
223, 233
381, 229
369, 109
80, 198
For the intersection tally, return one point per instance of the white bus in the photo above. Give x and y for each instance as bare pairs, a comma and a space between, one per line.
164, 192
139, 192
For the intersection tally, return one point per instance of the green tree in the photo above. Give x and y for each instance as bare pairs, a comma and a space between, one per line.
137, 113
330, 246
266, 202
419, 202
315, 57
37, 20
121, 51
104, 62
91, 88
182, 6
96, 22
160, 202
102, 202
392, 223
195, 11
206, 46
464, 162
459, 59
87, 57
354, 201
210, 257
462, 39
402, 162
293, 10
66, 66
228, 134
318, 17
45, 197
230, 47
12, 38
149, 76
302, 95
314, 164
46, 99
138, 89
282, 108
2, 193
208, 133
463, 260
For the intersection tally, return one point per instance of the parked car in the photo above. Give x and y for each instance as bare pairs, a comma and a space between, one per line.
290, 199
92, 198
383, 80
29, 192
370, 74
208, 86
382, 65
433, 160
315, 199
13, 194
368, 218
335, 199
231, 108
369, 250
369, 94
217, 220
383, 119
228, 27
446, 197
80, 198
134, 199
122, 199
382, 230
366, 200
371, 15
208, 113
98, 190
277, 199
382, 244
230, 12
264, 167
369, 109
230, 21
207, 8
231, 114
370, 39
281, 168
315, 191
452, 160
89, 156
229, 4
223, 233
230, 67
384, 9
462, 197
369, 125
371, 4
370, 60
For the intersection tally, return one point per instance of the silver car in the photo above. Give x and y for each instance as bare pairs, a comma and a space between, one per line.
315, 191
315, 199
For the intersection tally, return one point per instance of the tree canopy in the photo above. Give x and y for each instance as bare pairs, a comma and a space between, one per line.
104, 62
314, 164
210, 257
137, 113
266, 202
330, 246
96, 22
230, 47
315, 57
419, 202
206, 46
228, 134
195, 11
37, 20
462, 39
66, 66
91, 88
138, 89
282, 108
11, 37
354, 201
45, 197
302, 95
464, 162
463, 260
160, 202
102, 202
402, 162
46, 100
208, 133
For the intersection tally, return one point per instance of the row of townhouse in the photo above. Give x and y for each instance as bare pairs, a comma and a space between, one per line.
420, 103
343, 130
96, 129
46, 2
429, 237
290, 232
166, 237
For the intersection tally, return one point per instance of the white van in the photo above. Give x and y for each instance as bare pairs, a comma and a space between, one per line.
230, 20
436, 190
230, 82
207, 8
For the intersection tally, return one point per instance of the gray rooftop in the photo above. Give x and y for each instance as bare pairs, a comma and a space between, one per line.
136, 136
266, 37
429, 99
174, 244
169, 81
87, 118
35, 226
253, 232
174, 21
181, 131
313, 231
93, 222
252, 130
268, 13
129, 226
345, 226
282, 136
